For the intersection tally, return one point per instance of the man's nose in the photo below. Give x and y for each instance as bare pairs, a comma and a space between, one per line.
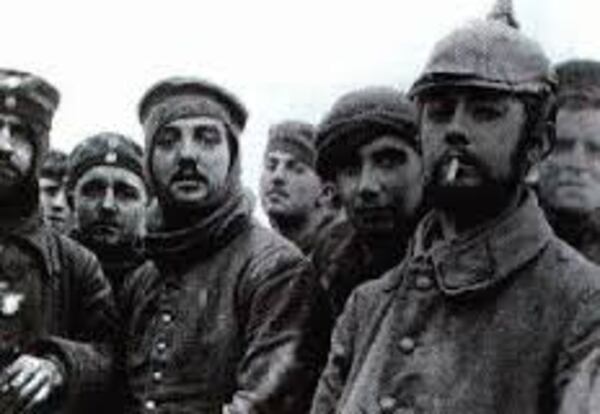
108, 201
188, 147
368, 184
59, 201
457, 133
278, 175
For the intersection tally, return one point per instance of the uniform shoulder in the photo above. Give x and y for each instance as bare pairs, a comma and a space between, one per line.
572, 273
261, 241
377, 290
72, 249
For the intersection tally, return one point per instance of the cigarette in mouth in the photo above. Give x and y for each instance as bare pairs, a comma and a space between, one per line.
452, 170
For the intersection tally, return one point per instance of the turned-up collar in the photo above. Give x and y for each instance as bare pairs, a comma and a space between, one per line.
481, 260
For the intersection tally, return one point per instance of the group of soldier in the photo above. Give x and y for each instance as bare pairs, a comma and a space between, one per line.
429, 252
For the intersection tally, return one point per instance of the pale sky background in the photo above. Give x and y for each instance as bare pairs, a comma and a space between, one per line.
284, 59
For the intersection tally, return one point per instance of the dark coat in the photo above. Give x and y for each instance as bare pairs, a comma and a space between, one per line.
69, 307
343, 260
232, 327
492, 323
581, 232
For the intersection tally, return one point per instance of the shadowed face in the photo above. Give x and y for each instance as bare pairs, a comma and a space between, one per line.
16, 152
570, 177
53, 200
288, 187
109, 205
380, 184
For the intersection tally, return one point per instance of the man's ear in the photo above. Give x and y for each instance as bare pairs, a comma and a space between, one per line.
329, 197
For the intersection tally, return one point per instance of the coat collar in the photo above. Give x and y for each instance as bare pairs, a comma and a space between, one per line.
484, 258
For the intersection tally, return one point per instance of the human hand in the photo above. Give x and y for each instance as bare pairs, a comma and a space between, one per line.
27, 382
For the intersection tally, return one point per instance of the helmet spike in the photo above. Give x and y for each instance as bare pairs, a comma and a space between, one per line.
503, 11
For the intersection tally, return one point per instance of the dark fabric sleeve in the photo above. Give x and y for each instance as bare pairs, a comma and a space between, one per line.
286, 332
335, 374
577, 378
86, 347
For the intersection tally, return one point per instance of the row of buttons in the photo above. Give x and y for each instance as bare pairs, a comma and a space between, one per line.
161, 347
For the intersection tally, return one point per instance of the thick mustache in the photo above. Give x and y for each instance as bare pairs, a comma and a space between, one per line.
188, 174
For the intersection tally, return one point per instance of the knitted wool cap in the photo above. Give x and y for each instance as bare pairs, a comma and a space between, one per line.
579, 83
296, 138
375, 109
491, 54
106, 148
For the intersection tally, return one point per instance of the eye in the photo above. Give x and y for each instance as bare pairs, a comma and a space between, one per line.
562, 146
296, 167
167, 137
271, 164
440, 110
93, 189
485, 111
208, 135
349, 166
51, 190
391, 158
126, 192
19, 130
593, 148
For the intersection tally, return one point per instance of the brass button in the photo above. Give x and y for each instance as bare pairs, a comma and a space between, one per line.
157, 376
407, 345
423, 282
150, 405
387, 404
166, 317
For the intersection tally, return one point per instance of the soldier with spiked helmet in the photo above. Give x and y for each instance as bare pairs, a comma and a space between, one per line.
489, 312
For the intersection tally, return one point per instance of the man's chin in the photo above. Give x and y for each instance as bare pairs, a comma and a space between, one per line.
462, 199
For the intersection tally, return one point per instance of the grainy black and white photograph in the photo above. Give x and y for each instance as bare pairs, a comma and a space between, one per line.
317, 207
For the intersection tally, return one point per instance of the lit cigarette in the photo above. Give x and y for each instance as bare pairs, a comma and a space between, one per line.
452, 170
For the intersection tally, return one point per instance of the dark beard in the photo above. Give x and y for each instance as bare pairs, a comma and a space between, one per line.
21, 201
473, 205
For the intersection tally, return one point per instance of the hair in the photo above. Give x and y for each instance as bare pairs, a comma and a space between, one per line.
55, 165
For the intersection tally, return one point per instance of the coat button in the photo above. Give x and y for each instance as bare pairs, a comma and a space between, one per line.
423, 282
150, 405
387, 404
161, 346
166, 317
407, 345
157, 376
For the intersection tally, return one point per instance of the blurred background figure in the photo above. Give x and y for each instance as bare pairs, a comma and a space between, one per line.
298, 204
569, 185
53, 197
